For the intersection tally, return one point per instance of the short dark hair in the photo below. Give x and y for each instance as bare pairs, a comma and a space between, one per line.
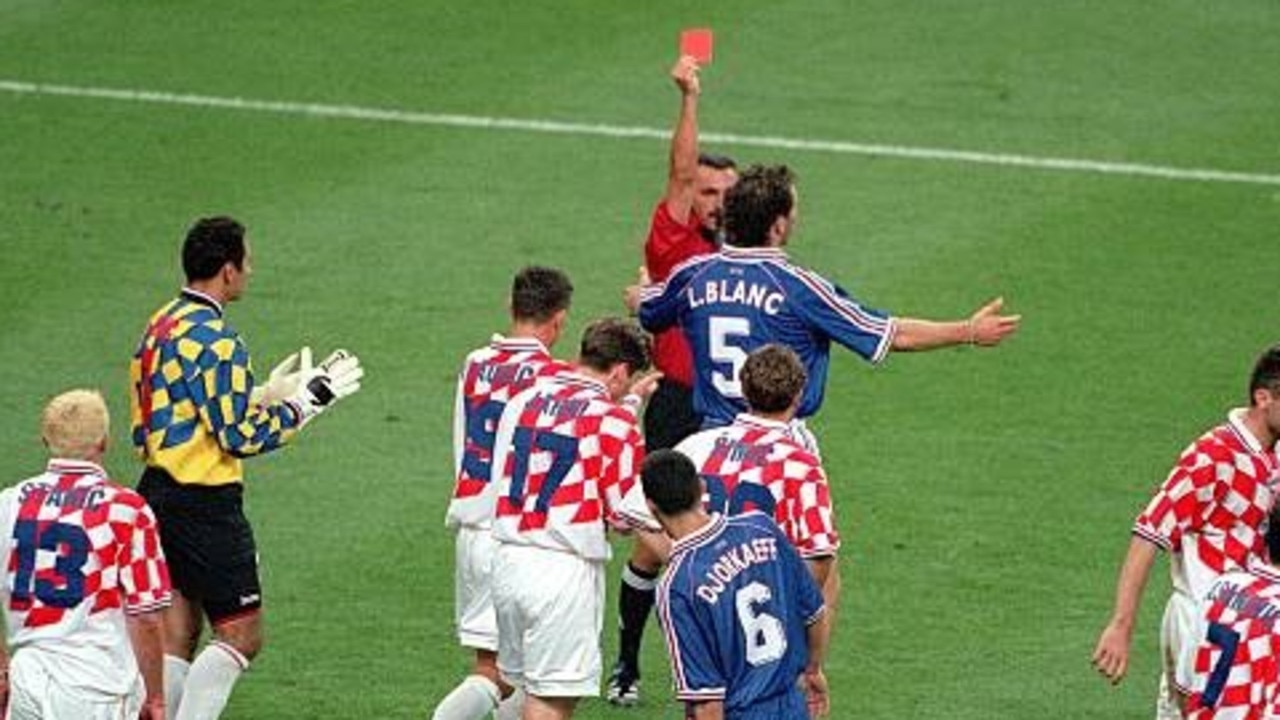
671, 482
1266, 373
772, 378
212, 243
537, 293
761, 196
716, 162
609, 341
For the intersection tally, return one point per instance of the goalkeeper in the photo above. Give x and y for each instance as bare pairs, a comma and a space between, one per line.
195, 414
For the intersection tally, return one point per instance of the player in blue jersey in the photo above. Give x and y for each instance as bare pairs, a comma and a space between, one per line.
743, 618
749, 295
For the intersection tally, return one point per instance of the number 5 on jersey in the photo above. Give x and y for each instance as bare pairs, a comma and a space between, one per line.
719, 331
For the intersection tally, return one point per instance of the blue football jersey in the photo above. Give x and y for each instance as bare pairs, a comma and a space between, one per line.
740, 299
735, 603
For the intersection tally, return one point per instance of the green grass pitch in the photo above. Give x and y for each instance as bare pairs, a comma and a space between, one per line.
984, 497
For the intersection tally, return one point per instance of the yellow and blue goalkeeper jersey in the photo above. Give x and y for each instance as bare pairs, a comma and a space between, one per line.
190, 409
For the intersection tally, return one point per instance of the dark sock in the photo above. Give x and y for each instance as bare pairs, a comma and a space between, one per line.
635, 600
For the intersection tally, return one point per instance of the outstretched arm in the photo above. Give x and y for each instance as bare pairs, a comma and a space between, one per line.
1111, 657
683, 168
986, 327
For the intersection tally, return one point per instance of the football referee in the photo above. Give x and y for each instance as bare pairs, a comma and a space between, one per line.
687, 222
195, 415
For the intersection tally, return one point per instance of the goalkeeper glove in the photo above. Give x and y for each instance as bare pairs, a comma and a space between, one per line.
284, 379
320, 387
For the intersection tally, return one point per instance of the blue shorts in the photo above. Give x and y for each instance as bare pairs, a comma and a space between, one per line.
788, 706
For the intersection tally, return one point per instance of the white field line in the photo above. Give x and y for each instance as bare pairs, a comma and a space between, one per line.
410, 117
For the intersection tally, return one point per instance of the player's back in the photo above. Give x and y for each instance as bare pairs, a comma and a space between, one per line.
564, 455
81, 551
1234, 672
757, 464
735, 604
740, 299
490, 377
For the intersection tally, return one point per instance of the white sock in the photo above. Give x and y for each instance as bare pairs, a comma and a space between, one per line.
175, 677
210, 680
511, 708
474, 698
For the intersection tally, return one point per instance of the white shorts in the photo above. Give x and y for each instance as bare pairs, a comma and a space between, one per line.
550, 613
1178, 642
35, 693
473, 589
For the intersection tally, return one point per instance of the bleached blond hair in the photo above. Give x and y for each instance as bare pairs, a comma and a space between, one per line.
75, 424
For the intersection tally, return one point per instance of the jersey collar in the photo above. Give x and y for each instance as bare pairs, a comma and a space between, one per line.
699, 536
501, 342
1235, 419
574, 378
756, 421
202, 298
753, 253
66, 466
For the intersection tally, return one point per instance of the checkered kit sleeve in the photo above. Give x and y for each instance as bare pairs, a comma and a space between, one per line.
808, 518
622, 476
144, 575
1177, 507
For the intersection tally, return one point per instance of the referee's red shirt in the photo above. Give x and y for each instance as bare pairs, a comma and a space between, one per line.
669, 244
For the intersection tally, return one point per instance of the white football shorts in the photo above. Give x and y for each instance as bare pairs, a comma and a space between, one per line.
473, 588
35, 693
1178, 642
550, 608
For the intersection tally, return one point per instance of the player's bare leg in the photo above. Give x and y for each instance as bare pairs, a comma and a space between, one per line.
548, 708
481, 693
183, 622
636, 597
214, 672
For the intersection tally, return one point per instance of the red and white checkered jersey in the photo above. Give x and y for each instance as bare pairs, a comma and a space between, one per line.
1212, 509
758, 464
564, 457
1233, 672
490, 377
81, 552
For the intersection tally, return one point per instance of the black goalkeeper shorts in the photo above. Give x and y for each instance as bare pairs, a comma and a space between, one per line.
670, 417
207, 544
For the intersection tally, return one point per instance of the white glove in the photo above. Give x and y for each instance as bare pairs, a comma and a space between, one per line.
320, 387
284, 379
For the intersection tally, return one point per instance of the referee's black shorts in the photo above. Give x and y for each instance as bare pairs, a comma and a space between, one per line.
670, 417
207, 543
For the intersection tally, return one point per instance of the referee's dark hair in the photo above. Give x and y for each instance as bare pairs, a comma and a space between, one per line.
751, 207
671, 482
212, 243
717, 162
537, 293
609, 341
772, 378
1266, 375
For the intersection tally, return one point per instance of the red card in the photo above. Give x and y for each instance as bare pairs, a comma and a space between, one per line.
696, 42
